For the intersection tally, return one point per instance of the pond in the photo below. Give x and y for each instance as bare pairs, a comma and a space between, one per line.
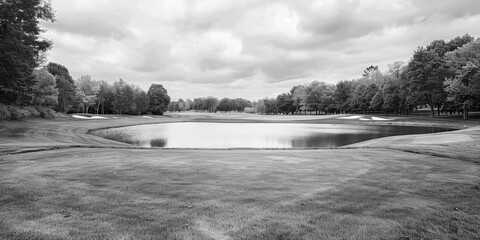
253, 135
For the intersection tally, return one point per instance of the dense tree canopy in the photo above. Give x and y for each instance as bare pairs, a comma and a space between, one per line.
23, 82
44, 92
442, 75
140, 101
65, 85
463, 88
87, 92
158, 99
20, 47
229, 105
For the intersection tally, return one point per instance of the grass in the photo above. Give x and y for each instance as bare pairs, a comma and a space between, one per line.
397, 192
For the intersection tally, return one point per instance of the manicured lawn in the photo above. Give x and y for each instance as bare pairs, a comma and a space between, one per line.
103, 190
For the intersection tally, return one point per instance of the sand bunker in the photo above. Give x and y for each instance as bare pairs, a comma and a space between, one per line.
380, 119
88, 117
364, 118
350, 117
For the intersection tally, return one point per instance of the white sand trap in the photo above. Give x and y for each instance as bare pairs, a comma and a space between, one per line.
364, 119
380, 119
351, 117
85, 117
147, 117
97, 117
81, 117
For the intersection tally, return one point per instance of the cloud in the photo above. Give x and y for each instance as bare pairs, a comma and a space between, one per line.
149, 58
246, 48
92, 27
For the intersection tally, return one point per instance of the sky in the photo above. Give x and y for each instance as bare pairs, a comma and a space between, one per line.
246, 48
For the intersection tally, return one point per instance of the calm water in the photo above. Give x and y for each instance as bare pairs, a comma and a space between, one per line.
253, 135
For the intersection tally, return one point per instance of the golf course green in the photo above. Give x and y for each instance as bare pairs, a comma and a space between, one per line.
57, 181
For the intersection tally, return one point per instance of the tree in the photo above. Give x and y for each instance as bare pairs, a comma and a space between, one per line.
211, 104
327, 104
21, 46
458, 42
426, 74
80, 101
299, 97
188, 104
141, 101
270, 105
104, 98
124, 97
464, 88
285, 103
171, 106
259, 106
224, 105
180, 105
319, 96
90, 89
342, 95
391, 94
370, 71
377, 101
44, 91
363, 95
395, 68
239, 104
197, 104
65, 85
158, 99
16, 65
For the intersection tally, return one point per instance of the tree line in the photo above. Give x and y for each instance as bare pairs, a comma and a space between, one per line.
89, 95
443, 76
28, 87
210, 104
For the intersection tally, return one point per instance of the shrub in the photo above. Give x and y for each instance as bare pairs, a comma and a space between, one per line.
46, 112
10, 112
4, 113
158, 142
249, 110
32, 110
17, 113
52, 113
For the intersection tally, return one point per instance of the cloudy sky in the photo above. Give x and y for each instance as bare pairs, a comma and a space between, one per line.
246, 48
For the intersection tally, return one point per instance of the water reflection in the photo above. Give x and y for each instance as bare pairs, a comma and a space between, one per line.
253, 135
158, 142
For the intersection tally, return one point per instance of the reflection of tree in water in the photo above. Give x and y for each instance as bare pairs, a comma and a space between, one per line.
371, 132
335, 140
158, 142
119, 136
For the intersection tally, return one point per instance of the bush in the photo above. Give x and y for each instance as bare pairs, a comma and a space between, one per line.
46, 112
52, 113
17, 113
10, 112
33, 111
4, 113
249, 110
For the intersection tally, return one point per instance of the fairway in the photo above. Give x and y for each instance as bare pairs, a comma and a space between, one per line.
54, 188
